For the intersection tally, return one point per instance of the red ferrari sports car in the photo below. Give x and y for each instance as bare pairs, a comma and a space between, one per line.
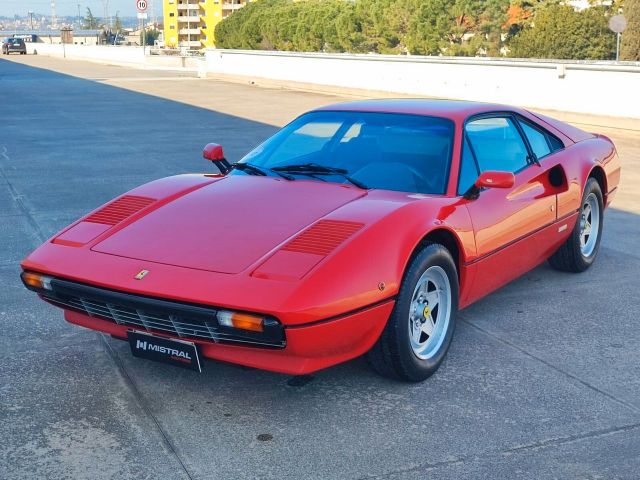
359, 228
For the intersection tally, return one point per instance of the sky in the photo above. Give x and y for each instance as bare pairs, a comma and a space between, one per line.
127, 8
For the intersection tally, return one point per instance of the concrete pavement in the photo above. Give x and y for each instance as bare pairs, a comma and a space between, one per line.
542, 380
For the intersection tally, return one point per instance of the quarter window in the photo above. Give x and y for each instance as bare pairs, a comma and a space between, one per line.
468, 169
497, 144
541, 143
537, 140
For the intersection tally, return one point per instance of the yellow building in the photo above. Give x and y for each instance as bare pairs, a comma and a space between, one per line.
191, 23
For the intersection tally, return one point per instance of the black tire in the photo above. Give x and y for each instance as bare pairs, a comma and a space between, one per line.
569, 257
392, 355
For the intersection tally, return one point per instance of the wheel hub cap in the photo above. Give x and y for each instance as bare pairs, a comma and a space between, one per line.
589, 225
430, 312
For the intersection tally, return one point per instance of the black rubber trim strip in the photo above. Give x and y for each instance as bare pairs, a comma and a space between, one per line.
512, 242
342, 315
65, 288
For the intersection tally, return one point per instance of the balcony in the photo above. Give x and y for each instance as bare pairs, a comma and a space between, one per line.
189, 6
189, 31
191, 44
232, 6
189, 18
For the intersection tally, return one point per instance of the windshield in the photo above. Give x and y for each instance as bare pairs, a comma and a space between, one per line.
15, 41
407, 153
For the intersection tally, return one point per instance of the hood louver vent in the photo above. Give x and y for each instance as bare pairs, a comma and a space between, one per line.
323, 237
119, 210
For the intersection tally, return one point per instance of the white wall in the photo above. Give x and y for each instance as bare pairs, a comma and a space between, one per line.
599, 88
116, 55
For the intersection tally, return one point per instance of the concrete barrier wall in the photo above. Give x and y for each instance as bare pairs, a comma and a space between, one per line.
115, 55
118, 55
599, 88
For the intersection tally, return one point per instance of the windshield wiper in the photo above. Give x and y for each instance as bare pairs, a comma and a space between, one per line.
316, 169
255, 170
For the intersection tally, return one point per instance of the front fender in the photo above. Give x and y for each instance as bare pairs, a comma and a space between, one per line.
369, 267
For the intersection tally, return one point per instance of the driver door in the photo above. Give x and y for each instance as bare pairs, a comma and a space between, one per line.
507, 222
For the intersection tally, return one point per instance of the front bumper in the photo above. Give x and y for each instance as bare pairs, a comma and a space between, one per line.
153, 315
295, 349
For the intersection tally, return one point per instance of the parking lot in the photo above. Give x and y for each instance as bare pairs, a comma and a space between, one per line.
542, 379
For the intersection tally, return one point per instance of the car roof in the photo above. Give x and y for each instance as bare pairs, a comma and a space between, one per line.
452, 109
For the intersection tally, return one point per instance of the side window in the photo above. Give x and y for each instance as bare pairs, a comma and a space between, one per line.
468, 169
497, 144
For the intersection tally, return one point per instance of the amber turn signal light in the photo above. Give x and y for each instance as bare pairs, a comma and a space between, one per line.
243, 321
36, 280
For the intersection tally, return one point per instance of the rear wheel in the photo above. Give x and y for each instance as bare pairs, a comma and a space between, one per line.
419, 331
581, 248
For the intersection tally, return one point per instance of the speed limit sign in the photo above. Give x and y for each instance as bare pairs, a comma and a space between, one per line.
142, 5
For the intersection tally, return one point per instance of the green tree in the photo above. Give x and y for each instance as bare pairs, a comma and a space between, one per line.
559, 31
117, 24
630, 44
151, 36
540, 28
429, 27
90, 22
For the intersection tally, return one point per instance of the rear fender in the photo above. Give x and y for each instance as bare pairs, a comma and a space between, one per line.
595, 157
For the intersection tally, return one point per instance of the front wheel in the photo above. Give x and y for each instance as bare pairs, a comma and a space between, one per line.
581, 248
419, 331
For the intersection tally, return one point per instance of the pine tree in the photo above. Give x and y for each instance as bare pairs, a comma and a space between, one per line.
117, 25
558, 31
90, 22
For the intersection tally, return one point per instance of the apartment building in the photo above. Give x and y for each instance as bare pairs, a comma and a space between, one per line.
191, 23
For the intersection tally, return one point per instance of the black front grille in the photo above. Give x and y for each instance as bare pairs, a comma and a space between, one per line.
158, 316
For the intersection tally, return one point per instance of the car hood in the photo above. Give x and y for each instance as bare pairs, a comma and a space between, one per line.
228, 225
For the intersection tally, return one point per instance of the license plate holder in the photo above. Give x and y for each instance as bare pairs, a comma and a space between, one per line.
179, 353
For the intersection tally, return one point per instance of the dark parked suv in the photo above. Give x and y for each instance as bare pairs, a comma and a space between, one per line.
10, 45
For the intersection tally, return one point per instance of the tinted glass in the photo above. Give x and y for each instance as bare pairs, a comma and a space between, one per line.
555, 143
407, 153
537, 140
468, 169
307, 139
497, 144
